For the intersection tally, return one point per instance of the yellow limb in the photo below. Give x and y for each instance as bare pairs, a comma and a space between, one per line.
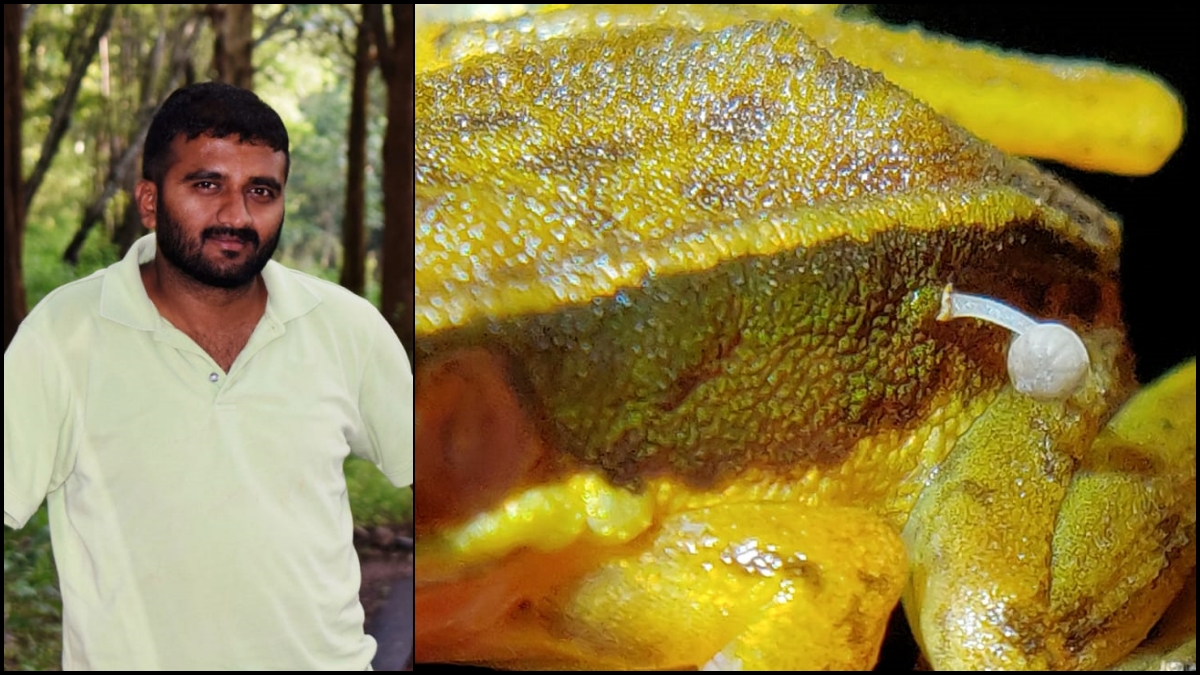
746, 586
1083, 113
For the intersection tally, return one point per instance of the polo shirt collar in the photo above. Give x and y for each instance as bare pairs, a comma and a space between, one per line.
123, 296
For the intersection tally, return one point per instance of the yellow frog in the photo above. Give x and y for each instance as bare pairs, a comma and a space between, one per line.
726, 344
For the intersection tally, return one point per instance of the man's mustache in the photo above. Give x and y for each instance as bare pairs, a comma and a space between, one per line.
247, 235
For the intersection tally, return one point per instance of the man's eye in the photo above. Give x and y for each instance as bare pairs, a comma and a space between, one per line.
205, 184
265, 193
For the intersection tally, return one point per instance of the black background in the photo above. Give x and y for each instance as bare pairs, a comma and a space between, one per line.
1158, 262
1158, 265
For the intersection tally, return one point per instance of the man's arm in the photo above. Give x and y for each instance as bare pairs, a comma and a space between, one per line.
38, 425
386, 404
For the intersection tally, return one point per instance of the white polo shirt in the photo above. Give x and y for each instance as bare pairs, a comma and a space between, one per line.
200, 520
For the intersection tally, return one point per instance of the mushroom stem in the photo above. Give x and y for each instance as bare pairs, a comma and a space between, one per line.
1046, 361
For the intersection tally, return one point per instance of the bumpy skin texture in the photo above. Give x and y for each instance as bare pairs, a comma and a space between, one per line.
683, 399
1085, 114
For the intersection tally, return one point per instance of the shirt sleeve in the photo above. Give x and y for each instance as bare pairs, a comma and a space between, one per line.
386, 404
39, 424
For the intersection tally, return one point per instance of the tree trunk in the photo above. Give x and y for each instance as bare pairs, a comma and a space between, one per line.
404, 240
233, 46
129, 226
396, 64
354, 241
14, 205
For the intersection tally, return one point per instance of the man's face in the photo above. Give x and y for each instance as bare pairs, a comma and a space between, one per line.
219, 210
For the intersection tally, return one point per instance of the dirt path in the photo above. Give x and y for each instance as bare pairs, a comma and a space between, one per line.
386, 556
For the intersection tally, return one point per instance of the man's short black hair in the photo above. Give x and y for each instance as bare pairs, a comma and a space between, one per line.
212, 109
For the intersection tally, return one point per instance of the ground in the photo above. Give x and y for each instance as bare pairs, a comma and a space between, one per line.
386, 556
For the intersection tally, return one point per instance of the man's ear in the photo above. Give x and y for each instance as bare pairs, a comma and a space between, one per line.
145, 193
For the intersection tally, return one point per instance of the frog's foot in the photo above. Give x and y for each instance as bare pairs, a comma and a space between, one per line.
746, 587
1025, 556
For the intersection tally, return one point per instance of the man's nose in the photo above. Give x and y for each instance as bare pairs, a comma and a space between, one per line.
234, 211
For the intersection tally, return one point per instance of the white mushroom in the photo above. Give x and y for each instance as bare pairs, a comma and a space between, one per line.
1047, 360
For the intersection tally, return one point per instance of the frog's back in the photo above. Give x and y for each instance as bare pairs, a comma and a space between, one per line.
703, 256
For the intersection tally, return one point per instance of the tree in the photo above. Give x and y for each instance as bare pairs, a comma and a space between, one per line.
14, 203
233, 28
354, 240
396, 63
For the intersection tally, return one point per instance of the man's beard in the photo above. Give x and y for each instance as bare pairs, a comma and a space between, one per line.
188, 256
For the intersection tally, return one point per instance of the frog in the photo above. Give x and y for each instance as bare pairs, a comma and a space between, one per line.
727, 344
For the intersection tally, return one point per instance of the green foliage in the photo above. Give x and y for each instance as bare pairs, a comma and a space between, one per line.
44, 267
373, 499
32, 604
303, 71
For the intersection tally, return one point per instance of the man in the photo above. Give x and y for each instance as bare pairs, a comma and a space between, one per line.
187, 410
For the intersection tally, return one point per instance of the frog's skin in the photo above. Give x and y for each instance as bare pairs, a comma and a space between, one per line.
683, 396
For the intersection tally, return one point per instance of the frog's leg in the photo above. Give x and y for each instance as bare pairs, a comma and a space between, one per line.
747, 586
1025, 558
